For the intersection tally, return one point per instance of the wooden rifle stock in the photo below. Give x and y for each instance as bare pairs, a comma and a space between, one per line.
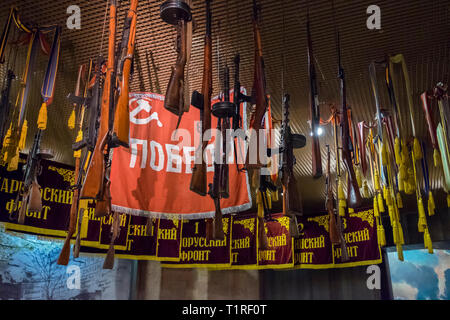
218, 222
35, 199
64, 256
103, 206
77, 245
121, 130
93, 182
199, 174
109, 259
174, 99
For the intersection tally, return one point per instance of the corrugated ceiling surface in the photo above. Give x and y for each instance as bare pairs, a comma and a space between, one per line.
418, 29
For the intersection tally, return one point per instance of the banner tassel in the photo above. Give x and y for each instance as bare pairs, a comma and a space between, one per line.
380, 203
398, 157
14, 162
431, 205
42, 118
376, 212
436, 158
400, 252
366, 189
381, 235
23, 135
417, 150
399, 200
427, 241
358, 175
77, 154
421, 225
71, 122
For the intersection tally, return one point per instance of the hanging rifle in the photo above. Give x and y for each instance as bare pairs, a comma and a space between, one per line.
30, 191
431, 127
292, 202
329, 204
93, 104
177, 13
64, 256
223, 110
353, 194
314, 107
115, 229
121, 130
15, 137
259, 99
442, 131
94, 183
202, 101
338, 176
5, 104
238, 99
399, 59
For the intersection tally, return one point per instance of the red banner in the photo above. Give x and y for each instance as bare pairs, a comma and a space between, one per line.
280, 251
152, 177
196, 251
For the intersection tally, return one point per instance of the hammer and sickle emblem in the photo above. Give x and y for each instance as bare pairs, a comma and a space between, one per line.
143, 105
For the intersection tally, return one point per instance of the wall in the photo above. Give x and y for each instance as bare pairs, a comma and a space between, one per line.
155, 282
